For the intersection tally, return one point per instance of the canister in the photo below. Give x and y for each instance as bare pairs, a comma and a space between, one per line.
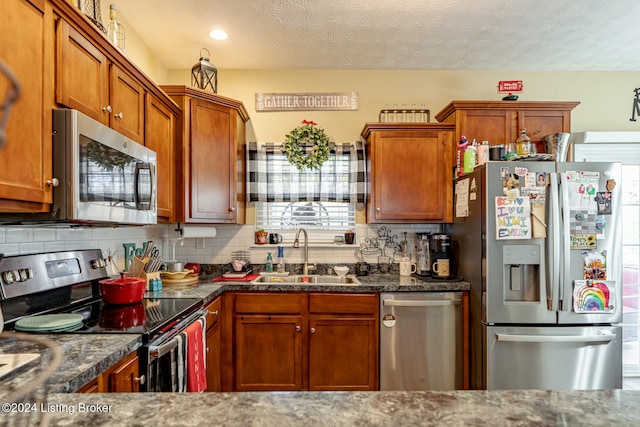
496, 152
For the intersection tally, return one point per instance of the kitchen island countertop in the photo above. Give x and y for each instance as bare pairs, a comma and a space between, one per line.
455, 408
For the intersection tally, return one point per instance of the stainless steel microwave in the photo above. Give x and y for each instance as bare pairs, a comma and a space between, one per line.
102, 176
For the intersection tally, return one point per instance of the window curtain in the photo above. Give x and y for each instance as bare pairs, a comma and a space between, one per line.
271, 178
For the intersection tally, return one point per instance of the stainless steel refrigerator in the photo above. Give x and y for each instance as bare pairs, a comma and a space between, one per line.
539, 242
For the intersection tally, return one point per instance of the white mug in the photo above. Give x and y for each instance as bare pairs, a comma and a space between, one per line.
441, 267
407, 267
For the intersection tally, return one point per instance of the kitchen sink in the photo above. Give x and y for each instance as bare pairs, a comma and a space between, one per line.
314, 279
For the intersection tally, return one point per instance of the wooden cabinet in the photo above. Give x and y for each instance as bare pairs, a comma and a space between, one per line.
27, 32
213, 338
123, 377
500, 122
343, 342
160, 131
268, 341
88, 82
301, 341
411, 172
211, 136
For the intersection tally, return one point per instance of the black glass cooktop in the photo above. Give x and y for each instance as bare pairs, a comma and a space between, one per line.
148, 317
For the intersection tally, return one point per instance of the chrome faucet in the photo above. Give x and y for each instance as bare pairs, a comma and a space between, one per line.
296, 244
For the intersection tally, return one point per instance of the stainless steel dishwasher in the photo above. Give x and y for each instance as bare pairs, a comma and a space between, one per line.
421, 341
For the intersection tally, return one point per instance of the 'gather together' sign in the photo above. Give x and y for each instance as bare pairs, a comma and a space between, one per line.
306, 101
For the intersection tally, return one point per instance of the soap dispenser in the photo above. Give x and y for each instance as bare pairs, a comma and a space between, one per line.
269, 265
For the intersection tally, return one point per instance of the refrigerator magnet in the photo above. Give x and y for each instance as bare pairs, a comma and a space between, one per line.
603, 202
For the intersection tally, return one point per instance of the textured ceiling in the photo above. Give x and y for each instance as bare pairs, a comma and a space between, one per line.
391, 34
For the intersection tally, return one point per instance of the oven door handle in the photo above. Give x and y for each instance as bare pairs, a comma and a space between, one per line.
157, 351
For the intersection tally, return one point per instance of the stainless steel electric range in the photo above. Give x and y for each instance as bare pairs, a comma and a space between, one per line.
68, 282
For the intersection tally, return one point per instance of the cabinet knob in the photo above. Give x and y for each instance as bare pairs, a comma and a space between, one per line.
313, 330
53, 182
377, 209
119, 115
107, 109
298, 328
215, 313
140, 380
232, 209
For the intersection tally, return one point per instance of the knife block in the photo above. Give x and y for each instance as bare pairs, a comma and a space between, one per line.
136, 269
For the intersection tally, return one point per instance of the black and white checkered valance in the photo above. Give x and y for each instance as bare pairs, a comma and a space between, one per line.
271, 178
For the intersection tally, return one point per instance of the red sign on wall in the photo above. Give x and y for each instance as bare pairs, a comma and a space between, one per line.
505, 86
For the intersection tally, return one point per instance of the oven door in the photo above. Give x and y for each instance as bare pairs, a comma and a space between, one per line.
176, 352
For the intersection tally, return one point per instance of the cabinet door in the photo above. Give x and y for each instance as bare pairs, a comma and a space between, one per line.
342, 354
498, 126
125, 377
212, 164
268, 352
540, 123
213, 358
213, 337
411, 176
27, 49
160, 137
82, 73
127, 101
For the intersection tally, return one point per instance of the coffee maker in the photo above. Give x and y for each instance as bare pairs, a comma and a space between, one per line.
423, 254
440, 248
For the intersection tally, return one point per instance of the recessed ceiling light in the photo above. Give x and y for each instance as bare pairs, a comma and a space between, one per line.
218, 35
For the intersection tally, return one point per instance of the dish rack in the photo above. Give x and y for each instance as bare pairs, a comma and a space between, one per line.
243, 256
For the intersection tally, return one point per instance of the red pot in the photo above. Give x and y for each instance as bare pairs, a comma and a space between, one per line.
122, 317
125, 290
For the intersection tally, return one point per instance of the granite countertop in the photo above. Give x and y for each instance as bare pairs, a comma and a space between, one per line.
208, 290
455, 408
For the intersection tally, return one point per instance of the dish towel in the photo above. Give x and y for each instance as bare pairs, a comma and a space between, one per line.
196, 368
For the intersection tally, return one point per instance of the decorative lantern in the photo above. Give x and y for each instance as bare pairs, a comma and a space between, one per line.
204, 74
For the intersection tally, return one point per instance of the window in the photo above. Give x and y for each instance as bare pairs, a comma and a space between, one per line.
321, 200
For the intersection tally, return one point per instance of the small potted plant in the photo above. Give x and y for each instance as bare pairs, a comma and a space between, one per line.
261, 237
349, 237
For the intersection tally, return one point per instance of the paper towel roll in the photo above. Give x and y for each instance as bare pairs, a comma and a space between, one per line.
198, 231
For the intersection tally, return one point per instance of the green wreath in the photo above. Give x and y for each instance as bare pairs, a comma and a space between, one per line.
307, 133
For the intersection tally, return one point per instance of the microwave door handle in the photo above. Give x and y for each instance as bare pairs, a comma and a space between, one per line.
554, 210
566, 241
136, 190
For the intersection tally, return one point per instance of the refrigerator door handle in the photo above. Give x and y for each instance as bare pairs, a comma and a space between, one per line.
420, 303
566, 238
552, 293
602, 337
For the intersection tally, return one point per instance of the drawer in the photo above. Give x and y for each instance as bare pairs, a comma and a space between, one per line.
340, 303
270, 303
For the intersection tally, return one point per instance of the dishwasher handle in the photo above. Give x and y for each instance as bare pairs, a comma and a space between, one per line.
421, 303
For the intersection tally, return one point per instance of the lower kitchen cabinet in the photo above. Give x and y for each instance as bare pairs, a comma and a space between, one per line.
213, 338
304, 341
123, 377
343, 342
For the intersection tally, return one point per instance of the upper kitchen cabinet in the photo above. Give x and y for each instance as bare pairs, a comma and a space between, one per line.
411, 170
211, 135
160, 137
500, 122
89, 82
26, 31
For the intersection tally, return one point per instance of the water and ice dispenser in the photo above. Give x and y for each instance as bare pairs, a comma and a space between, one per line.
521, 272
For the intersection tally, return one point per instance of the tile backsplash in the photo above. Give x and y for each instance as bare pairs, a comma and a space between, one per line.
17, 240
